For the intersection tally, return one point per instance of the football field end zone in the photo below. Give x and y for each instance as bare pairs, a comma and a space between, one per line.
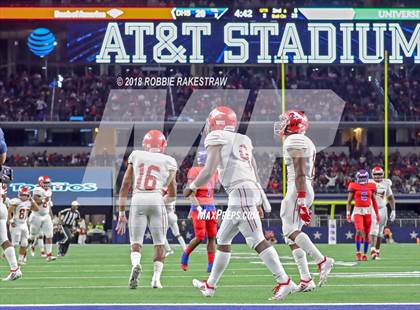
275, 305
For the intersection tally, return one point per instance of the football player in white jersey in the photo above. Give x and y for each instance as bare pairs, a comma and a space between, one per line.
383, 196
17, 217
173, 225
45, 183
299, 154
148, 172
231, 154
8, 249
40, 222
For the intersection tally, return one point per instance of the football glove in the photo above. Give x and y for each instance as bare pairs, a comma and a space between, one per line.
265, 203
304, 213
121, 224
6, 174
392, 216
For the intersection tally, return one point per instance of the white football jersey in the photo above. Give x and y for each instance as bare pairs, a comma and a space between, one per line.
151, 170
7, 202
236, 157
383, 191
299, 142
21, 211
44, 208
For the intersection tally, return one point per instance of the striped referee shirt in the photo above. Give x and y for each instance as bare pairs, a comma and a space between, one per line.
69, 216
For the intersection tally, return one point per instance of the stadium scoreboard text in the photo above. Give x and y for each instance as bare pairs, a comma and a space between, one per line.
234, 36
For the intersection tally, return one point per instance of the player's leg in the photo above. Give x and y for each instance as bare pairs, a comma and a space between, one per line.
211, 230
383, 214
136, 226
367, 222
291, 225
158, 226
23, 244
168, 249
16, 235
34, 231
48, 231
228, 230
199, 235
8, 249
374, 230
358, 237
41, 246
173, 224
251, 228
306, 283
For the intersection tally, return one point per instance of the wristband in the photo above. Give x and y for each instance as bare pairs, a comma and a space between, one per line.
122, 213
193, 187
301, 194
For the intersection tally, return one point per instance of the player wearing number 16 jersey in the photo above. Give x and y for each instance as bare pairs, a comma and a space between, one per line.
148, 172
299, 154
231, 154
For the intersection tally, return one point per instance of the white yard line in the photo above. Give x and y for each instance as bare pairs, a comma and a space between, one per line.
190, 286
373, 275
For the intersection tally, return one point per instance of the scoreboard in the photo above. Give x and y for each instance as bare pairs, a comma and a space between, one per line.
134, 35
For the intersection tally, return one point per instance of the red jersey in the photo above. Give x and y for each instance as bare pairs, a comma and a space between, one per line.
363, 193
205, 194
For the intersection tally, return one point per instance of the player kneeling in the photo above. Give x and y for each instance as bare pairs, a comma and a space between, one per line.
363, 194
148, 172
17, 216
231, 154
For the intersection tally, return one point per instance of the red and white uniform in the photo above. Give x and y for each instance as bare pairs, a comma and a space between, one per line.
19, 230
237, 176
383, 191
289, 212
151, 174
40, 222
362, 215
3, 217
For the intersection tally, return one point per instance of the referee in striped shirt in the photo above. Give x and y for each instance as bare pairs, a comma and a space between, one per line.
68, 218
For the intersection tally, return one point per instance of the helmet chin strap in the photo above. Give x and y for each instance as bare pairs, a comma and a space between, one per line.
154, 150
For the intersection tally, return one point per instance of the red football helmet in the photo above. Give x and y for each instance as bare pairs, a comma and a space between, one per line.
154, 141
221, 118
44, 181
24, 191
378, 174
291, 122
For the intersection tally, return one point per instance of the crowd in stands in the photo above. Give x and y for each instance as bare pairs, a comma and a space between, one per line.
25, 97
333, 171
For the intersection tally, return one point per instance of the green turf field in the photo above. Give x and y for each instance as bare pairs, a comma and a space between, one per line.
99, 273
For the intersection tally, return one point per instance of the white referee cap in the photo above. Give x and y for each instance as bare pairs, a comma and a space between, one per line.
75, 203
